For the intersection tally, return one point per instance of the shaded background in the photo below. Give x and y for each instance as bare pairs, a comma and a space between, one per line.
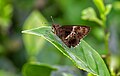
16, 15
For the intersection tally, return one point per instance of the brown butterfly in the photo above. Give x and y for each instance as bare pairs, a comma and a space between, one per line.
70, 35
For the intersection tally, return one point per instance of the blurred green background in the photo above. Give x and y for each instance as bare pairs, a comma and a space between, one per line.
17, 49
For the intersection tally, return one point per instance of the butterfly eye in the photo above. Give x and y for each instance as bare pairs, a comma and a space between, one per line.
53, 29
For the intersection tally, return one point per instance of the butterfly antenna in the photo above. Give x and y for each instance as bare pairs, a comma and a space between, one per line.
52, 19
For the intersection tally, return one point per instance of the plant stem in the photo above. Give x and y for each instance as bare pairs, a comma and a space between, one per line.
106, 39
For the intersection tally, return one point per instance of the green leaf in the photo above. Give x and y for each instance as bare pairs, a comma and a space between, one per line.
90, 14
108, 9
100, 5
116, 5
89, 74
33, 43
35, 69
6, 73
6, 10
115, 65
83, 56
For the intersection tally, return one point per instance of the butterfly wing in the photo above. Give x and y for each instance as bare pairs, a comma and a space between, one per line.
81, 31
77, 33
65, 30
71, 35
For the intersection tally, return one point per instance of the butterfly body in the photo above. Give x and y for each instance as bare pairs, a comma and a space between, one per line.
70, 35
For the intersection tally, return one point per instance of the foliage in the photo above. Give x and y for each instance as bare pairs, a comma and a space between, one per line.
90, 14
98, 52
36, 69
5, 14
34, 19
83, 56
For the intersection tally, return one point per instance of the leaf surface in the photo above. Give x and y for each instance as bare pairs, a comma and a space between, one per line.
83, 55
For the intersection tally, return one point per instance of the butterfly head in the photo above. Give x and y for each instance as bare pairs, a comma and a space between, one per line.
55, 27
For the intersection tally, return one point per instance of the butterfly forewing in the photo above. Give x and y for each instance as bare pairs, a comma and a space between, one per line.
81, 31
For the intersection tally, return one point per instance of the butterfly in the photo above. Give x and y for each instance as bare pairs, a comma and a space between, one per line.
70, 34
